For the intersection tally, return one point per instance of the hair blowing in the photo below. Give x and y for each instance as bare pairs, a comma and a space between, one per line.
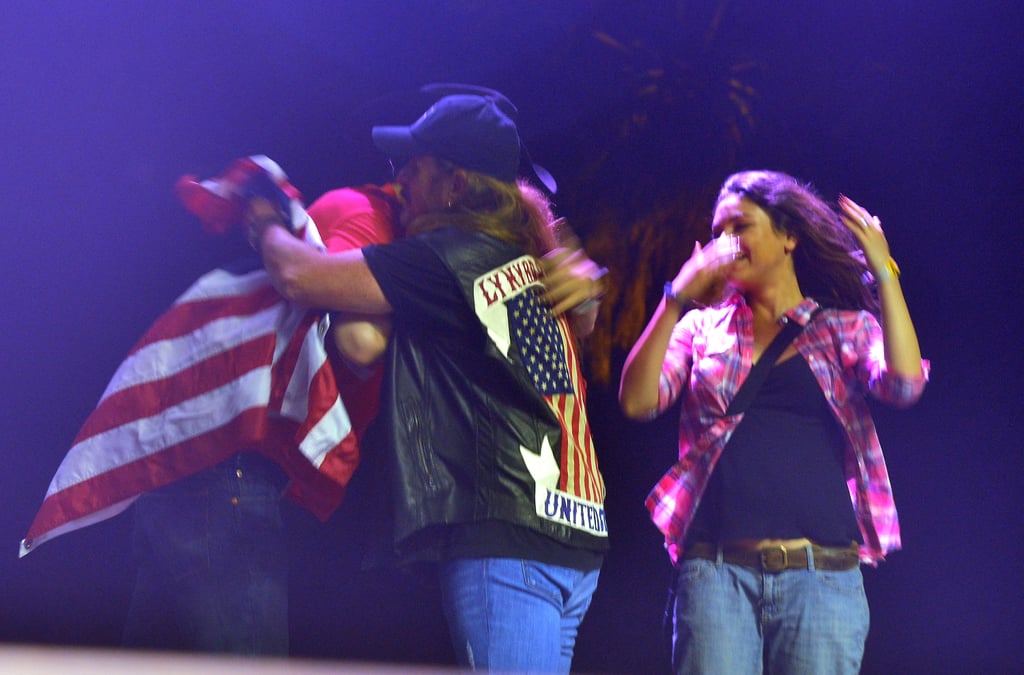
829, 264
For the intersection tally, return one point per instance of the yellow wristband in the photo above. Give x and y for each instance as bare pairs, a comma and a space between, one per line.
891, 271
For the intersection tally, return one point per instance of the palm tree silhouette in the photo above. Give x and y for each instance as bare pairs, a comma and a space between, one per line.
641, 190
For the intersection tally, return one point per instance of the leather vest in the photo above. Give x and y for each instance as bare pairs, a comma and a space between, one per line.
489, 422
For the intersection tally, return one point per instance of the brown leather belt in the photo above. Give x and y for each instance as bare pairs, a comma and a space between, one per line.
779, 558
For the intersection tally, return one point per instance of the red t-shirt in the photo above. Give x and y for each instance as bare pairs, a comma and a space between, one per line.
351, 218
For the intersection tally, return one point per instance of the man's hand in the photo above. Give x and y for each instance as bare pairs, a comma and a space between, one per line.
571, 280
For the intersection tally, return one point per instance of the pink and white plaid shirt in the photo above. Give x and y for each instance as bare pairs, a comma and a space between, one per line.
710, 355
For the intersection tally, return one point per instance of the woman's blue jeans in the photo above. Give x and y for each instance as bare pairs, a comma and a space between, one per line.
513, 615
735, 619
212, 563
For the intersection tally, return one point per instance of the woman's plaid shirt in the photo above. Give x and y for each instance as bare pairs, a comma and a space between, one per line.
710, 355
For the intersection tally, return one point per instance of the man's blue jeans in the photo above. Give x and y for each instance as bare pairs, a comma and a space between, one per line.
514, 615
212, 563
735, 619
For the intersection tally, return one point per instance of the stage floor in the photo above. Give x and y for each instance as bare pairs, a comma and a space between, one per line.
56, 659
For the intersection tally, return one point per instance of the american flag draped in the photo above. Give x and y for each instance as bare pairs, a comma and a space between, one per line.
230, 366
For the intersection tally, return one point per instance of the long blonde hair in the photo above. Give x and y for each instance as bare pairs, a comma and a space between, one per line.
517, 212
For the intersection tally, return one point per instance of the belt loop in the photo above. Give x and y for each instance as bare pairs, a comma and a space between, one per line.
810, 556
719, 555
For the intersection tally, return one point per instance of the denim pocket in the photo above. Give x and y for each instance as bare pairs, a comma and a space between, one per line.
696, 569
848, 582
538, 580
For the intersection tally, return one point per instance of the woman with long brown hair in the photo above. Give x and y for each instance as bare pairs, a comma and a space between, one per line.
780, 487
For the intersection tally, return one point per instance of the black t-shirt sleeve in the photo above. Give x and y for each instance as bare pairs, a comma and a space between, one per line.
419, 286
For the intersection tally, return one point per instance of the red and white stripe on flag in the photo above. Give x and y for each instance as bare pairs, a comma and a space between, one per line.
579, 457
230, 366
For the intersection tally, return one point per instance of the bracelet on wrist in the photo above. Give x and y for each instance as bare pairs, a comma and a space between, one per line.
890, 271
669, 294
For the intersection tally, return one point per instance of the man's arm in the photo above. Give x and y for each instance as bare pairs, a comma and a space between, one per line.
334, 281
360, 338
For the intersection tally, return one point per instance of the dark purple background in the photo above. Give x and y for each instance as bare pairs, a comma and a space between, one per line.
913, 108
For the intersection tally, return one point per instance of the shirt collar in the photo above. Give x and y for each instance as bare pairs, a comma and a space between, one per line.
801, 313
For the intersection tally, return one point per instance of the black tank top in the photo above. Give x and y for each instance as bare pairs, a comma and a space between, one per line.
781, 474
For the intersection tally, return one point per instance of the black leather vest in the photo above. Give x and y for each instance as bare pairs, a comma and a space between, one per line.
474, 427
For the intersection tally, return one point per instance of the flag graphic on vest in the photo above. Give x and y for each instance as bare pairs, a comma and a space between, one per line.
508, 301
539, 341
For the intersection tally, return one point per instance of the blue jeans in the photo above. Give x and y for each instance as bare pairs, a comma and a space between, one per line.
735, 619
212, 563
514, 615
